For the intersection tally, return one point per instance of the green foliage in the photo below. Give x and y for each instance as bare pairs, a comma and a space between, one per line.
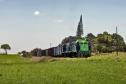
103, 42
92, 39
36, 52
125, 48
99, 48
90, 36
106, 42
25, 54
118, 40
5, 47
70, 39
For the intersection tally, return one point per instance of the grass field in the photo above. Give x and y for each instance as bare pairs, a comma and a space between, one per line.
100, 69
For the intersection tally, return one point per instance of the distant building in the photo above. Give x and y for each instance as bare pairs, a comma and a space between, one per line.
80, 28
79, 33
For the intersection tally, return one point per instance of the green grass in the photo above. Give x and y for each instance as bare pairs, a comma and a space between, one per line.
101, 69
13, 59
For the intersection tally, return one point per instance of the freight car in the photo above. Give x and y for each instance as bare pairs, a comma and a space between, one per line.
77, 48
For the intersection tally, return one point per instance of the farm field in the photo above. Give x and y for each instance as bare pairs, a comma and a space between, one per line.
99, 69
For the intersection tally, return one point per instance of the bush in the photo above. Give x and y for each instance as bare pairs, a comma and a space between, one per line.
99, 48
36, 52
24, 54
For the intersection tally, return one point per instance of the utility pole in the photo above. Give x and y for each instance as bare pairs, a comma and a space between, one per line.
116, 41
50, 45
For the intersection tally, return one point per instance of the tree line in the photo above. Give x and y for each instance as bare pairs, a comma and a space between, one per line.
101, 43
106, 42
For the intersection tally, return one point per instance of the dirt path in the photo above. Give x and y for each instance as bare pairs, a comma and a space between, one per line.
45, 58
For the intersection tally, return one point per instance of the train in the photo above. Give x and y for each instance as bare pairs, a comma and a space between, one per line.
78, 48
72, 46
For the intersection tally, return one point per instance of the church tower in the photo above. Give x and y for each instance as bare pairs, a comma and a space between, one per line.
80, 28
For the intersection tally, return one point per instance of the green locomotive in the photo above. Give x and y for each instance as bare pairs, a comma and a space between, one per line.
79, 48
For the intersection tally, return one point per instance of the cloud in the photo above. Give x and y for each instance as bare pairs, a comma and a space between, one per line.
36, 13
59, 21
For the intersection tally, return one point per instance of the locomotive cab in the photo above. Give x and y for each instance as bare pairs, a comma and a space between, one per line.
83, 48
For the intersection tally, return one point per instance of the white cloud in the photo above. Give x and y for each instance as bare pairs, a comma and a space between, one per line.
59, 21
36, 13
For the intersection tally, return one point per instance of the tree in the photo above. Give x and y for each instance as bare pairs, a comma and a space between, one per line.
5, 47
118, 41
125, 48
90, 36
24, 53
36, 52
104, 42
92, 39
70, 39
110, 42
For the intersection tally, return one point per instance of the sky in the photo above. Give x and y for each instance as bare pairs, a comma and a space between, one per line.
29, 24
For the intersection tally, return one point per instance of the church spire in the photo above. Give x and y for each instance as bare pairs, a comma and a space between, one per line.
80, 28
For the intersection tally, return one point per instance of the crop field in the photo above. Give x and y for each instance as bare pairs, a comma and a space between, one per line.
98, 69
